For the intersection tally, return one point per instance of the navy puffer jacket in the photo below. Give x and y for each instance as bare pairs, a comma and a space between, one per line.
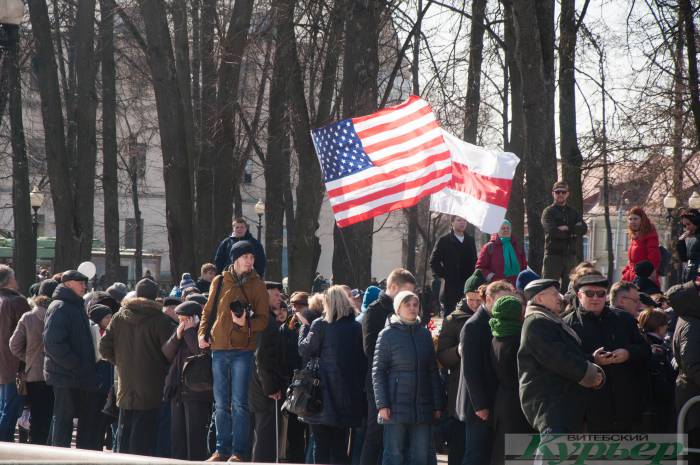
404, 373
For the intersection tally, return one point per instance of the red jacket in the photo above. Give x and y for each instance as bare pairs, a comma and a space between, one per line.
491, 259
643, 248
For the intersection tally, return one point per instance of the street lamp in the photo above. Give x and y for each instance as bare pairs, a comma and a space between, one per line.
670, 203
694, 201
36, 200
260, 211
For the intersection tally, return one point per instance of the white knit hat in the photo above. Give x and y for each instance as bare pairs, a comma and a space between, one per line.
401, 297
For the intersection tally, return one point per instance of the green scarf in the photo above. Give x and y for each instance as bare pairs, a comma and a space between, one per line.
511, 267
505, 317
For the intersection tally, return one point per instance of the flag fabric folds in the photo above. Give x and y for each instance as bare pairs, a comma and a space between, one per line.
480, 186
382, 162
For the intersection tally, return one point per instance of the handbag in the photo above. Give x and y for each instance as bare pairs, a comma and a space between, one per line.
21, 380
304, 395
196, 372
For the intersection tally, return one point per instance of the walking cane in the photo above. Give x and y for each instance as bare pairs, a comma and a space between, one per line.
277, 432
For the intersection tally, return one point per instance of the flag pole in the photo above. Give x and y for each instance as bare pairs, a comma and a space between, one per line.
347, 252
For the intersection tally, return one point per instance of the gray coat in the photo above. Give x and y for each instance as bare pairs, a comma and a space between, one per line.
686, 347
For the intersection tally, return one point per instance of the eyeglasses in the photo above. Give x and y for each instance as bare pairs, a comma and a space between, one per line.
600, 294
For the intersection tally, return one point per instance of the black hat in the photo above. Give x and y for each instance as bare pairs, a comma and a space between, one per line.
188, 308
273, 285
647, 301
147, 289
73, 275
644, 269
98, 312
169, 301
199, 298
102, 298
47, 287
593, 279
241, 248
538, 285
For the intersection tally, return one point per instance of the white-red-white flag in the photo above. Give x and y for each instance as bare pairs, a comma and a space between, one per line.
480, 187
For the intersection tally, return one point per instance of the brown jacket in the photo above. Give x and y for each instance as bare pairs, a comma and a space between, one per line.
27, 343
225, 335
12, 306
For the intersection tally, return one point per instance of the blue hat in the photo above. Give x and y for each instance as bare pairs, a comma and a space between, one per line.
186, 281
241, 248
524, 278
371, 294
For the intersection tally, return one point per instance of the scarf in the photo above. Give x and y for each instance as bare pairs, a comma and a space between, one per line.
505, 317
511, 267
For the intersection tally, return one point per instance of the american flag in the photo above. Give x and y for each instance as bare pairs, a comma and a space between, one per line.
382, 162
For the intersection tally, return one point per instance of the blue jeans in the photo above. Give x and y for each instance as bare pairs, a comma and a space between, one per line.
232, 372
406, 444
477, 441
11, 405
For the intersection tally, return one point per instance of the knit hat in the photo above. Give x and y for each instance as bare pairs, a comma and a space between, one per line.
524, 278
98, 312
644, 269
117, 291
47, 287
474, 281
371, 294
102, 298
186, 281
401, 297
241, 248
147, 289
505, 316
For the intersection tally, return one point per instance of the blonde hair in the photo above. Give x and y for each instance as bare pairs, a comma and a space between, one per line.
316, 303
336, 304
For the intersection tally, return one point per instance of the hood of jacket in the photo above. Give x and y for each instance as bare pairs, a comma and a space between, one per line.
395, 322
138, 309
684, 299
67, 295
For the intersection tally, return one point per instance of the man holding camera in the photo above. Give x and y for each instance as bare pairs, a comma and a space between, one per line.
235, 314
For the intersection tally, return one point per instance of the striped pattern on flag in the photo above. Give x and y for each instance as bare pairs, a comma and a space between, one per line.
382, 162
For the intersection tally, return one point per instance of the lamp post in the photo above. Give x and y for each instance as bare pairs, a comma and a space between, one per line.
694, 201
670, 202
260, 211
36, 200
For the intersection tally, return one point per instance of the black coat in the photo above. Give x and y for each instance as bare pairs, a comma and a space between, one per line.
477, 383
373, 323
342, 367
686, 348
70, 353
620, 403
222, 258
404, 374
177, 351
689, 254
270, 372
558, 242
448, 343
454, 262
551, 364
508, 416
663, 385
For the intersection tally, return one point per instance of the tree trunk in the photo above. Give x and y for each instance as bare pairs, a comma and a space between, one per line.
232, 50
110, 186
532, 36
568, 143
304, 249
687, 18
24, 252
73, 228
677, 145
178, 196
476, 50
352, 246
138, 252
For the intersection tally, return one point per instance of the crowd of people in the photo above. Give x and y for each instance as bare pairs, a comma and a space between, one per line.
515, 352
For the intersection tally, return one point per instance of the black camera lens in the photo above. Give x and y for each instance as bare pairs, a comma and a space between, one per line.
237, 308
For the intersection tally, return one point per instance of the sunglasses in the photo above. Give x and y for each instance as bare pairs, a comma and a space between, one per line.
601, 293
561, 192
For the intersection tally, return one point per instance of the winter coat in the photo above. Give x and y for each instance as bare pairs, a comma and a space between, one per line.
225, 334
404, 374
290, 334
620, 402
70, 353
558, 242
133, 342
454, 262
12, 306
270, 372
491, 262
508, 416
663, 385
27, 343
552, 370
342, 367
477, 383
372, 324
203, 285
222, 257
689, 254
176, 351
448, 354
642, 248
685, 300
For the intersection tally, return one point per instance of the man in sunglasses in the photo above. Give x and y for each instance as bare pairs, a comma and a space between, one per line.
562, 226
612, 340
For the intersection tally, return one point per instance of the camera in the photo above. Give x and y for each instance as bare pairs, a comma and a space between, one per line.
239, 308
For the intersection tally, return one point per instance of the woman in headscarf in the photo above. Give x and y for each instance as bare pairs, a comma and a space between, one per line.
502, 257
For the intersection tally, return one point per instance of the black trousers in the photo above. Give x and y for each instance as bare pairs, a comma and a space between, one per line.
40, 400
70, 403
265, 441
137, 431
297, 438
331, 444
373, 446
189, 423
455, 442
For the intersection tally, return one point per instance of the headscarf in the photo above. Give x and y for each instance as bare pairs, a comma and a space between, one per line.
511, 267
505, 317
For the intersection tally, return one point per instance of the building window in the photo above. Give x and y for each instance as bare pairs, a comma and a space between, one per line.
248, 172
585, 248
137, 157
130, 232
